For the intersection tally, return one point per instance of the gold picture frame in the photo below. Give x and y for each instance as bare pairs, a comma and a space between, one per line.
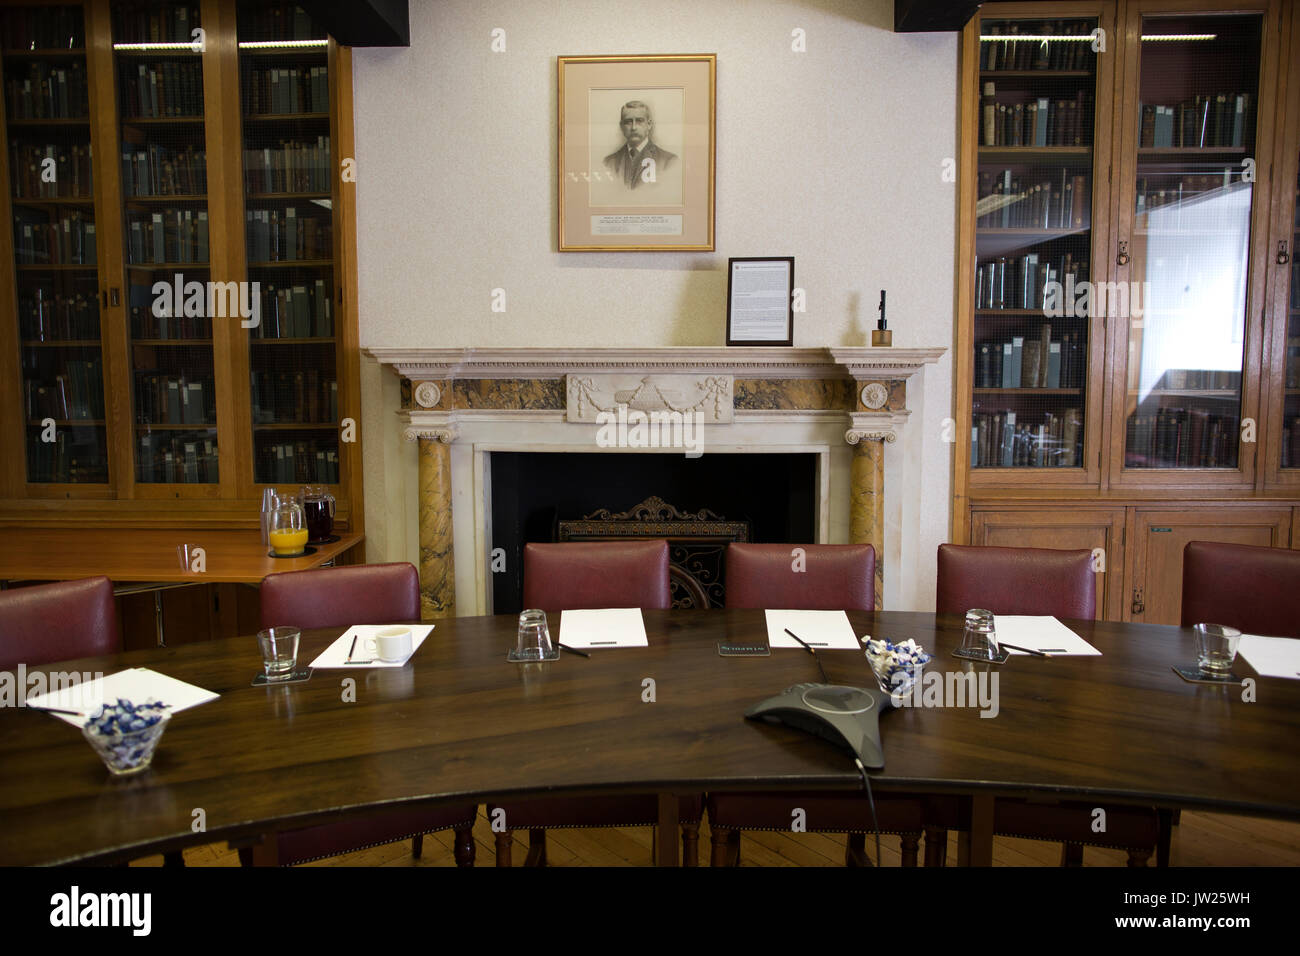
636, 152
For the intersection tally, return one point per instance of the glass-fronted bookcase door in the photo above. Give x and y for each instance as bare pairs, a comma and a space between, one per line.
1043, 75
1192, 219
1282, 448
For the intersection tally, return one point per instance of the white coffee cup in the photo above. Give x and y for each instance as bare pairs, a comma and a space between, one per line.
390, 643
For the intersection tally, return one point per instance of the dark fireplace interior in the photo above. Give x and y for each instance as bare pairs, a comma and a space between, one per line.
543, 497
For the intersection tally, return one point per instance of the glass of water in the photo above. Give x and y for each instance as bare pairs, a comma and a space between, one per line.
534, 643
279, 651
1216, 648
979, 640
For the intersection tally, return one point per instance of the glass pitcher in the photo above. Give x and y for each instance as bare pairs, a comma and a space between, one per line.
318, 509
288, 527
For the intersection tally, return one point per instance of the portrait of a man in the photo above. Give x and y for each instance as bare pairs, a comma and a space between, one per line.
641, 159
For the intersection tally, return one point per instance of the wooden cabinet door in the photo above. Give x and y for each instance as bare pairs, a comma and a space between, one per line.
1159, 536
1100, 530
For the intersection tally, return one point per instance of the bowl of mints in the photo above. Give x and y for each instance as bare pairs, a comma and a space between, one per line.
897, 666
125, 734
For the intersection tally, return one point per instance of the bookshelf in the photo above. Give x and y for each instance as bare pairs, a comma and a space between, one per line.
131, 385
1183, 368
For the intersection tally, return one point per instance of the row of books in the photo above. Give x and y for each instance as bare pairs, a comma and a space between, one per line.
68, 240
154, 90
304, 462
1037, 121
1156, 191
42, 28
302, 397
173, 399
296, 312
166, 457
46, 316
997, 440
1027, 362
51, 172
170, 235
1032, 53
1181, 438
156, 23
1199, 380
1219, 119
281, 235
286, 90
292, 166
1024, 282
75, 392
146, 325
282, 21
48, 91
75, 455
162, 171
1008, 202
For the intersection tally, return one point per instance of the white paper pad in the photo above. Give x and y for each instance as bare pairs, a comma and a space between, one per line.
603, 627
334, 655
136, 685
820, 629
1271, 656
1045, 634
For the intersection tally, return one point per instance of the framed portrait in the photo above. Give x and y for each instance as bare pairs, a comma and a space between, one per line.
636, 149
760, 304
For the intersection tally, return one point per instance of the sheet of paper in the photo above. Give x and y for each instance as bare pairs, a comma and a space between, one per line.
333, 657
819, 629
136, 685
603, 627
1045, 634
1271, 656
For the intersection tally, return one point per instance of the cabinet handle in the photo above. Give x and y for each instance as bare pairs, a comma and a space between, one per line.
1123, 257
106, 298
1283, 257
1138, 607
115, 296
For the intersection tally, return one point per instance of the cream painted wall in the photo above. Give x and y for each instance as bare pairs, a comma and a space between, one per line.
833, 155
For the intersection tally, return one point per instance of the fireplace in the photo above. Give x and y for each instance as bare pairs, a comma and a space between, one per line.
698, 504
832, 411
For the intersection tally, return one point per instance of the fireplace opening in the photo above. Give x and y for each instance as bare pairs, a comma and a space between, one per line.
699, 504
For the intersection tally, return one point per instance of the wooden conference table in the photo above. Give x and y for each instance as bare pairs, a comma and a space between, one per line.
460, 723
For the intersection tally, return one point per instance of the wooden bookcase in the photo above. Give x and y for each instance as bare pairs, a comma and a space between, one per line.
1191, 160
197, 172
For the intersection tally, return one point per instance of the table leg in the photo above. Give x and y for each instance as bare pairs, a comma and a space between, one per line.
975, 846
666, 851
158, 618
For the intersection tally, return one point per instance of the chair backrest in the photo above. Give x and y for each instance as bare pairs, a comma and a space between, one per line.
828, 577
589, 574
57, 622
1038, 581
335, 597
1254, 589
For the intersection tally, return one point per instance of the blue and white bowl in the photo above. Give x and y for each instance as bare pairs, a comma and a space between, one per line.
896, 666
125, 735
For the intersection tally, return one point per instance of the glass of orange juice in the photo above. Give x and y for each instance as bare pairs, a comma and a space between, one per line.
288, 528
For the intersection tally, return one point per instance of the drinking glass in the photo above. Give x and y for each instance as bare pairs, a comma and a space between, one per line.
979, 641
534, 643
270, 501
279, 651
1216, 646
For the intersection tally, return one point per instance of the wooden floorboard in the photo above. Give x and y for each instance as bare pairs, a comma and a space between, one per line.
1202, 839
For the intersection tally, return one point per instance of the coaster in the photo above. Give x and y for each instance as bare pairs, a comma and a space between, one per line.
514, 658
327, 540
297, 677
301, 554
980, 659
1193, 675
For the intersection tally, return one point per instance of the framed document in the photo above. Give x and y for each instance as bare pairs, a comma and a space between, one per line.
636, 141
760, 310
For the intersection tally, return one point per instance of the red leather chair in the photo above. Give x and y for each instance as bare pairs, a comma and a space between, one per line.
1035, 581
335, 597
574, 576
44, 623
1256, 590
835, 577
